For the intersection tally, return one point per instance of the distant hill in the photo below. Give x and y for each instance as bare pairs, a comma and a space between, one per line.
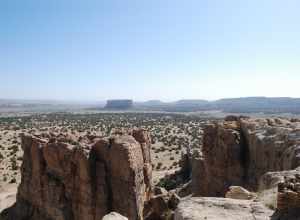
119, 104
230, 105
194, 102
233, 105
39, 106
259, 104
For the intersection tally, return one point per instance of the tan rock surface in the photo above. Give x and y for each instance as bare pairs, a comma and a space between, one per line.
220, 164
7, 196
114, 216
241, 151
209, 208
61, 181
273, 145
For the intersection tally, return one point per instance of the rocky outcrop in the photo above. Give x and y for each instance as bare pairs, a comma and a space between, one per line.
203, 208
286, 194
143, 137
273, 145
239, 151
74, 181
221, 164
271, 180
289, 194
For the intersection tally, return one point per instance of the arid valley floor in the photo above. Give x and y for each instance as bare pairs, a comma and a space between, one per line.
171, 134
209, 158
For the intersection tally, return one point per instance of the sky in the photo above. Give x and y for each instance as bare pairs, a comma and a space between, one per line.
149, 49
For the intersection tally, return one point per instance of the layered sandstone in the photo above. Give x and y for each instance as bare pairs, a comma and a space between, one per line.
63, 180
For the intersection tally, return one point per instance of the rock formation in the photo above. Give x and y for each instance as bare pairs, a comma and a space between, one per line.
239, 151
271, 180
220, 164
289, 193
272, 145
72, 178
64, 181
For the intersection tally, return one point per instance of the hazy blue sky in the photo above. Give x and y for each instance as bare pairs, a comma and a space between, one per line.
154, 49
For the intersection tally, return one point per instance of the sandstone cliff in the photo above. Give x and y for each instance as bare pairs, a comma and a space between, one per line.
68, 181
239, 151
220, 164
272, 145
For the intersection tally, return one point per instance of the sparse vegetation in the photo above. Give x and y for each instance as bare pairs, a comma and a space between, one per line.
171, 134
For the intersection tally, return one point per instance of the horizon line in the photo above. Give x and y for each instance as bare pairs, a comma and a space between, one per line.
136, 100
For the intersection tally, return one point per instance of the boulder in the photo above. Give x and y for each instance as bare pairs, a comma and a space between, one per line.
114, 216
237, 192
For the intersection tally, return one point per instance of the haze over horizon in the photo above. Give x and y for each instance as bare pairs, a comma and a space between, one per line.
103, 101
148, 50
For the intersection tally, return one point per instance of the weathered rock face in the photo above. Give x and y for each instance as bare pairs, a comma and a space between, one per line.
203, 208
241, 151
284, 187
270, 180
143, 137
221, 162
273, 145
62, 181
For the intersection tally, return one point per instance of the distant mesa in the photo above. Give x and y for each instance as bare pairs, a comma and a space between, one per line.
119, 104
